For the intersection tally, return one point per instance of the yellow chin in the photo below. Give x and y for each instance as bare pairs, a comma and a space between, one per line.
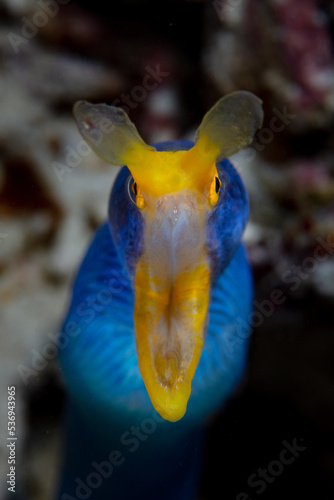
170, 325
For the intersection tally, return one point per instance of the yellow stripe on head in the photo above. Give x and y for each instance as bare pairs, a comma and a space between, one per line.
228, 127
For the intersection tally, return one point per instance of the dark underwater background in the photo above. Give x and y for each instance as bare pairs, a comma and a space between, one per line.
167, 63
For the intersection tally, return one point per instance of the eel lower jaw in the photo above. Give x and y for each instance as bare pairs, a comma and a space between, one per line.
170, 326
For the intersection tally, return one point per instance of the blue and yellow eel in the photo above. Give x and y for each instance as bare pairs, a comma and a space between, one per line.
154, 340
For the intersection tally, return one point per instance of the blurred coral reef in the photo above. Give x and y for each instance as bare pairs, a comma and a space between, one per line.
166, 64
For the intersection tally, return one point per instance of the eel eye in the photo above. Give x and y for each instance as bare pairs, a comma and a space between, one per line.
217, 185
136, 195
214, 190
